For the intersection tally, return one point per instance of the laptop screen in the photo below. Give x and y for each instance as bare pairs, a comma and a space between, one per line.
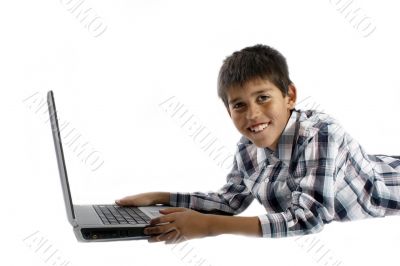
60, 157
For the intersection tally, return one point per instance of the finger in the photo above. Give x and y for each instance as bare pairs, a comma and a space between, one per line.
162, 219
164, 237
126, 201
171, 210
159, 229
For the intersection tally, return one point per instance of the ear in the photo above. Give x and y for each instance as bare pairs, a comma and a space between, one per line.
292, 96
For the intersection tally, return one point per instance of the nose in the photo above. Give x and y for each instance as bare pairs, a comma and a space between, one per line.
253, 112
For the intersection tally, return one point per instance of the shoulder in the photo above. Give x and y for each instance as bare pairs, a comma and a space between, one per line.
314, 122
315, 118
320, 135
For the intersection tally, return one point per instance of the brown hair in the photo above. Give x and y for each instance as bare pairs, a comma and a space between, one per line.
259, 61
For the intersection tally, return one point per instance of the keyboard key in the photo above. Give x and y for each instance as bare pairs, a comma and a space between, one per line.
113, 214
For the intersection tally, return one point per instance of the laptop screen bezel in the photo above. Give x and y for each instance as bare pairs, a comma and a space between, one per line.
60, 158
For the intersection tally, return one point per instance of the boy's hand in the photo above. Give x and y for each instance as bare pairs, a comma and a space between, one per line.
144, 199
178, 225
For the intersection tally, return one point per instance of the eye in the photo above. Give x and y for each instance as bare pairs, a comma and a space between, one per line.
262, 98
238, 105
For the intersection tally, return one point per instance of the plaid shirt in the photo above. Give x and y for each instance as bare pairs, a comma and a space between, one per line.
317, 174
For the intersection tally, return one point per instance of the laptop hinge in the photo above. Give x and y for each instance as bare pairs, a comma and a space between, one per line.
74, 223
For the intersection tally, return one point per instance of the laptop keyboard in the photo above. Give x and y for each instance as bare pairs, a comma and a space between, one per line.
114, 214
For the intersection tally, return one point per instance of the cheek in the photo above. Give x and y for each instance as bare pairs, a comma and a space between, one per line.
275, 116
238, 122
276, 112
279, 118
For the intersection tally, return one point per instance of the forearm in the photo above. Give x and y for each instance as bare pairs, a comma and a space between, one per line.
162, 198
249, 226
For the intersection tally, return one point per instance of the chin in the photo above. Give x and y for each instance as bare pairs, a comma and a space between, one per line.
260, 145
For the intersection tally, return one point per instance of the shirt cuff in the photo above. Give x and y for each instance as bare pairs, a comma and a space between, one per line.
273, 225
179, 199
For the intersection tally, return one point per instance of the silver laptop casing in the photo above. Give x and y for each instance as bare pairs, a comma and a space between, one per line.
84, 218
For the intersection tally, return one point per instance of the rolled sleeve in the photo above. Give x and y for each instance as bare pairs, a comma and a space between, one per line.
293, 222
233, 198
178, 199
273, 225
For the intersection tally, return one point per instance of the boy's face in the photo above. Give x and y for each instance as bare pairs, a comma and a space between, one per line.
260, 112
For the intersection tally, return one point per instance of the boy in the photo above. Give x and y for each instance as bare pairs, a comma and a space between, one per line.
300, 165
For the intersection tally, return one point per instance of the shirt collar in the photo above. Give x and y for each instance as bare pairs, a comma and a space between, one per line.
285, 143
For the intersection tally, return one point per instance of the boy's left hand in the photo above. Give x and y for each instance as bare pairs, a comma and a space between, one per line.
178, 225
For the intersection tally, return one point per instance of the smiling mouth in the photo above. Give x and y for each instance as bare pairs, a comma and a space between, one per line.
258, 128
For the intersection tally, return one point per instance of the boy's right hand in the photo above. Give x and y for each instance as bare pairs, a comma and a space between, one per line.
144, 199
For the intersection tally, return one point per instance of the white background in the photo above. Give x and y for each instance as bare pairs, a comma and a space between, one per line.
109, 88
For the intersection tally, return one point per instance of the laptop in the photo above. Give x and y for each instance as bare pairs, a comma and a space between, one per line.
100, 222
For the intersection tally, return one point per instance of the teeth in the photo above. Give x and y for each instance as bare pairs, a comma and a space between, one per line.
259, 128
